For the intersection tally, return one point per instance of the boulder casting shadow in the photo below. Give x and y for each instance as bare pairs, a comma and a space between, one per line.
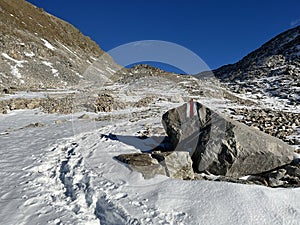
156, 157
222, 146
143, 143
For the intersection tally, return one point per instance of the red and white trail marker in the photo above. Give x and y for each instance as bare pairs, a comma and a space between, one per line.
191, 109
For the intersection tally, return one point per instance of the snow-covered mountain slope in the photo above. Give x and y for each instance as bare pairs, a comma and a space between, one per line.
60, 169
273, 70
38, 50
268, 79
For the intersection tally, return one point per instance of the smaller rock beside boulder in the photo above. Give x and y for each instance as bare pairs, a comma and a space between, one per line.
172, 164
143, 163
177, 164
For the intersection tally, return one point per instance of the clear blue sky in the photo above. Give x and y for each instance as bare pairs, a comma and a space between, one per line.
220, 32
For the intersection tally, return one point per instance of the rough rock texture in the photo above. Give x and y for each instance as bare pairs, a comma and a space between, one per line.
18, 103
286, 176
271, 70
280, 124
176, 165
38, 50
144, 102
62, 104
222, 146
108, 102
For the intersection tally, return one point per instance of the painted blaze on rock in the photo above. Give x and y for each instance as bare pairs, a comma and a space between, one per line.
222, 146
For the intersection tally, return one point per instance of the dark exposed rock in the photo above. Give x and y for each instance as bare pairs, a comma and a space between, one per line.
285, 177
222, 146
173, 164
33, 125
62, 105
19, 103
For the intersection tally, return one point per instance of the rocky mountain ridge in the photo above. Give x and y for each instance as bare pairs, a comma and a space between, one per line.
273, 70
38, 50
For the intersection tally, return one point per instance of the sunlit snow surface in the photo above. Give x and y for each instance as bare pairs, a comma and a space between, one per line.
64, 173
15, 68
48, 44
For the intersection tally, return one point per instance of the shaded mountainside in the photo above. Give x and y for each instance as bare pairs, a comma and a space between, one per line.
38, 50
272, 70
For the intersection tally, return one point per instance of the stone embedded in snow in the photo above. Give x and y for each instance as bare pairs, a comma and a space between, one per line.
143, 163
222, 146
172, 164
84, 116
177, 164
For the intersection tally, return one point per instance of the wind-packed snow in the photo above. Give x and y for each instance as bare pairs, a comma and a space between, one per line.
48, 44
47, 63
72, 52
51, 176
53, 70
29, 54
14, 68
59, 169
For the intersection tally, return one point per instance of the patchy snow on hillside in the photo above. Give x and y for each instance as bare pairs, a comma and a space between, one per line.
14, 68
48, 44
53, 70
29, 54
70, 51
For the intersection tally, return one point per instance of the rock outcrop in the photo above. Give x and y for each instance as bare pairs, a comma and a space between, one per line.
61, 104
108, 102
271, 70
280, 124
172, 164
222, 146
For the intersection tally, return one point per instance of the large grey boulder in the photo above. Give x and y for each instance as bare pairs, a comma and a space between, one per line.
172, 164
222, 146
